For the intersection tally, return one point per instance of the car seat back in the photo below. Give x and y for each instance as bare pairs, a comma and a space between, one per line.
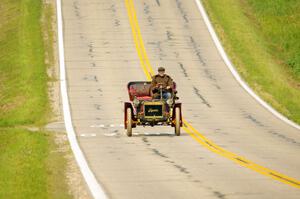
139, 89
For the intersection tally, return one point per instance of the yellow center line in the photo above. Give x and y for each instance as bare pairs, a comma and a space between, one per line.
195, 134
138, 40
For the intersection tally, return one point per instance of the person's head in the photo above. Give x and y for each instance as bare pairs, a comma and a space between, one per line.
161, 71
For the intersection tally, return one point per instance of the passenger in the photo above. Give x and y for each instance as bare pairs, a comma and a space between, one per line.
163, 81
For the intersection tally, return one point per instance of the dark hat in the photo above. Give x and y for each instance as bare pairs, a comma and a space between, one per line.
161, 69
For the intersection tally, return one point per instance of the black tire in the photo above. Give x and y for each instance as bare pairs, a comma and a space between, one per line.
129, 122
177, 121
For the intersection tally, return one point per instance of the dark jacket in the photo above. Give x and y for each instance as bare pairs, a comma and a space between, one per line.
165, 80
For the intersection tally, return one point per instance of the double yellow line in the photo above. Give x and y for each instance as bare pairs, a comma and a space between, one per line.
196, 135
138, 41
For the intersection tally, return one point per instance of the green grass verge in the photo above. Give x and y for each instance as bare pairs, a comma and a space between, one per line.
31, 166
262, 39
23, 74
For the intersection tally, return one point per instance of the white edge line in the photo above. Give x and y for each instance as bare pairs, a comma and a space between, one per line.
233, 70
94, 187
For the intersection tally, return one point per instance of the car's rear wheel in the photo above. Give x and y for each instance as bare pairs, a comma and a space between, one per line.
177, 121
129, 122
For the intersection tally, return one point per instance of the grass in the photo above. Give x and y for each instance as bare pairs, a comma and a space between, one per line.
23, 76
262, 39
31, 164
279, 23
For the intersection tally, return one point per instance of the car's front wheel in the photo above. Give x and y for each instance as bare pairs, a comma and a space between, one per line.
129, 122
177, 121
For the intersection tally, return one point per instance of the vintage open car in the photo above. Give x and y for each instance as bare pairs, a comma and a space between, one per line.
144, 109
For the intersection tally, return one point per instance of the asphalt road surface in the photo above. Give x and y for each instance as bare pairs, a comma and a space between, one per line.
101, 57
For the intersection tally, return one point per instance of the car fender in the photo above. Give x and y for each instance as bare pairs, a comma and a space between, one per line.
173, 113
129, 105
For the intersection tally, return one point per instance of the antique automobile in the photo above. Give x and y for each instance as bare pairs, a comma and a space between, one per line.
144, 109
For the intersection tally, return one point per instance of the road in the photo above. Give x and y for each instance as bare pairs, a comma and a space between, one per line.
101, 57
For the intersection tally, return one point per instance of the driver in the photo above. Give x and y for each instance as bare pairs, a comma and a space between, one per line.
164, 81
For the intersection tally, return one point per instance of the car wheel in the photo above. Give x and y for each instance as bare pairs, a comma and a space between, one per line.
177, 121
129, 122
